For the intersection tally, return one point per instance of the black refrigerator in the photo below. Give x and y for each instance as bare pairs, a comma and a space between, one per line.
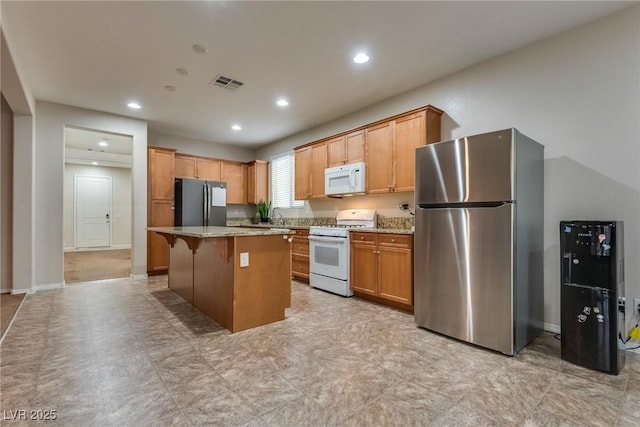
199, 202
592, 294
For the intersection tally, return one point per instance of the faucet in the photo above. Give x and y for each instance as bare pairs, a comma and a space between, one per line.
278, 219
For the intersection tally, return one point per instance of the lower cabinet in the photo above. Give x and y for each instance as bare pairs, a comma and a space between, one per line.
381, 268
300, 255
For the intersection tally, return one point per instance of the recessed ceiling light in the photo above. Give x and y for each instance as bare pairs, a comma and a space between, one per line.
182, 71
94, 163
361, 58
170, 88
199, 48
282, 102
103, 143
236, 127
134, 105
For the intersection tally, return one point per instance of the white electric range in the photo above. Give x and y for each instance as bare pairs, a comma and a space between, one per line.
329, 250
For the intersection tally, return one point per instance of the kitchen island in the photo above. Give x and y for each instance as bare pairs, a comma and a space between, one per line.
239, 277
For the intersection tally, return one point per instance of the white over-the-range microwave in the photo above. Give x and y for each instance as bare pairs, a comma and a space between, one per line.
346, 179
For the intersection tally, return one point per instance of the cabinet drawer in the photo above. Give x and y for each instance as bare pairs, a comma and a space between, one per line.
300, 246
396, 240
300, 265
363, 237
302, 233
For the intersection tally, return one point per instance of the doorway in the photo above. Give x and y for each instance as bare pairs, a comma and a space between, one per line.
92, 211
97, 205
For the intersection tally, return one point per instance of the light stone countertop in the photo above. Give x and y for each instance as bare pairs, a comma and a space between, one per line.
382, 230
204, 232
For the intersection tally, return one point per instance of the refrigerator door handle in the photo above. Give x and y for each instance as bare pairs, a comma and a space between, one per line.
205, 203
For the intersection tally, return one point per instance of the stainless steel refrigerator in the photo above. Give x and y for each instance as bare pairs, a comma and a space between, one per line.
199, 202
478, 260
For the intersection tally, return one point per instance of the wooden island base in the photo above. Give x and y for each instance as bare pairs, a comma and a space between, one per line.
206, 272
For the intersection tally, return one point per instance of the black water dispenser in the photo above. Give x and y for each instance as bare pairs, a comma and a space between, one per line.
592, 294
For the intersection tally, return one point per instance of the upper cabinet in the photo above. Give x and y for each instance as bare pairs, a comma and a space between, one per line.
387, 147
257, 181
379, 155
235, 175
160, 167
208, 169
346, 149
310, 163
185, 166
194, 167
390, 149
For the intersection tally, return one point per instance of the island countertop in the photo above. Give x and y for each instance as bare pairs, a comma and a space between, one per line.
206, 232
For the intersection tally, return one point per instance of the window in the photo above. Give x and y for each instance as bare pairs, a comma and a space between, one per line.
282, 182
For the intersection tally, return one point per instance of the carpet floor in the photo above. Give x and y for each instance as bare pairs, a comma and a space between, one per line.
96, 265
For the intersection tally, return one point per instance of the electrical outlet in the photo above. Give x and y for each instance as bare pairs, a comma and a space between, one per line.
636, 306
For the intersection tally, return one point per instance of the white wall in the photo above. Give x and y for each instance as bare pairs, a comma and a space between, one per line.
198, 147
579, 95
6, 195
51, 120
120, 202
20, 99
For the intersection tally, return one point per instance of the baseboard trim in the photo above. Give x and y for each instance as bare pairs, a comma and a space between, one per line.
550, 327
21, 291
48, 286
110, 248
139, 276
5, 291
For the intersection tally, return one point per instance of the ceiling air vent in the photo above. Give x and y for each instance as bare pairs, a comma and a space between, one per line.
226, 82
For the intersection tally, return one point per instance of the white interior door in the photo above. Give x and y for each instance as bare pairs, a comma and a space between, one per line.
93, 211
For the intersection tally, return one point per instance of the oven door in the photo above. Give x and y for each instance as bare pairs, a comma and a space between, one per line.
329, 256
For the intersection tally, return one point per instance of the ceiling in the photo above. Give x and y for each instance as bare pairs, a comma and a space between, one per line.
101, 55
90, 147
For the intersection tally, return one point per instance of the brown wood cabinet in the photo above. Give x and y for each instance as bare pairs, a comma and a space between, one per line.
185, 166
390, 152
208, 169
300, 255
160, 167
235, 175
310, 163
381, 268
257, 181
387, 147
194, 167
345, 149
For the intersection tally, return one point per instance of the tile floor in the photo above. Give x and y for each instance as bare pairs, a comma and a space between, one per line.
122, 352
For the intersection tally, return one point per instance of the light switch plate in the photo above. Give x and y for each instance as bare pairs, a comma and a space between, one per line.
244, 259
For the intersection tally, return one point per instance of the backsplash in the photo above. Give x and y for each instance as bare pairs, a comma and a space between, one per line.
382, 222
402, 223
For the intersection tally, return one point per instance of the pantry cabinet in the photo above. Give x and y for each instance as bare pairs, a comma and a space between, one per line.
160, 168
310, 163
381, 268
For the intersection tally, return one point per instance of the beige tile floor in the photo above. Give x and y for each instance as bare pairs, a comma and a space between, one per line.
122, 352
